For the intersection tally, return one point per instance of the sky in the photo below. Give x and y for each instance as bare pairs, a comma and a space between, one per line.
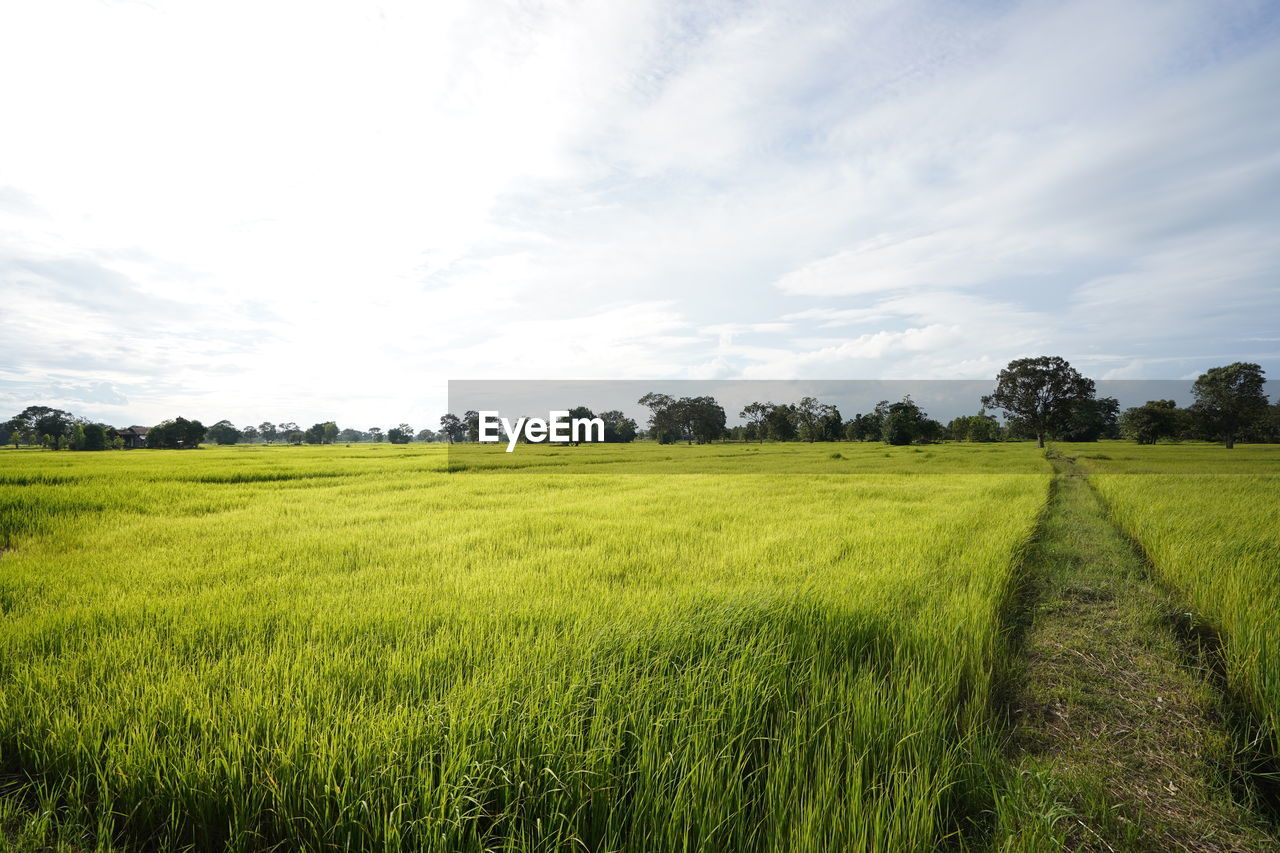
310, 211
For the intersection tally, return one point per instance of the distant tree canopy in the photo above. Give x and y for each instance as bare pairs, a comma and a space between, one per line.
224, 432
1153, 421
40, 425
94, 437
452, 428
757, 417
869, 426
1041, 398
1041, 394
1266, 428
807, 413
1229, 400
1089, 419
691, 419
618, 428
905, 422
781, 423
174, 434
290, 432
979, 427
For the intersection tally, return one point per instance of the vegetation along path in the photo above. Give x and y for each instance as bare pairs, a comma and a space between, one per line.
1120, 742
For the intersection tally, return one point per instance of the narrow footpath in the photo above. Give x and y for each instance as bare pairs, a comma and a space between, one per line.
1119, 741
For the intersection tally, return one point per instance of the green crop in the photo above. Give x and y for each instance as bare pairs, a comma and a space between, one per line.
347, 648
1214, 539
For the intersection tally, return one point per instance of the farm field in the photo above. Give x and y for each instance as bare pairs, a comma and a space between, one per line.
1210, 523
601, 648
346, 648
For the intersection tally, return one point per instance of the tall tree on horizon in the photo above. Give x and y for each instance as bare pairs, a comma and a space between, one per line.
1229, 400
1040, 392
757, 415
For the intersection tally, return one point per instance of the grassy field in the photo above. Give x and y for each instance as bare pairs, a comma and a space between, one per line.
1209, 520
346, 648
599, 648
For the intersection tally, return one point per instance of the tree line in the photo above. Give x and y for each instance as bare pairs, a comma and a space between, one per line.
328, 432
57, 429
1044, 398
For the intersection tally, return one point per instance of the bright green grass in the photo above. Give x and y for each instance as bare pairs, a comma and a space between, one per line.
768, 457
1214, 537
345, 648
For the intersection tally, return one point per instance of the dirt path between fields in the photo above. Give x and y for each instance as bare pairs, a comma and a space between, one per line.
1119, 742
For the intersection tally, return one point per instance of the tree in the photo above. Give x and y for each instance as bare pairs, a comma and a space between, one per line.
267, 430
471, 420
699, 419
931, 431
350, 435
291, 433
807, 412
830, 425
1267, 428
224, 432
580, 412
781, 422
177, 433
1152, 421
94, 437
162, 436
16, 429
330, 432
41, 425
868, 427
1229, 400
618, 428
249, 434
757, 415
664, 421
426, 435
905, 422
314, 434
979, 427
402, 434
1039, 392
1090, 420
193, 434
702, 419
451, 427
375, 434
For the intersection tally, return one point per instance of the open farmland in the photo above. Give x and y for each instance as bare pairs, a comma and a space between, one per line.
1210, 524
347, 648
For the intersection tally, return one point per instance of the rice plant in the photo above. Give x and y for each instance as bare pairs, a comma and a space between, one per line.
349, 649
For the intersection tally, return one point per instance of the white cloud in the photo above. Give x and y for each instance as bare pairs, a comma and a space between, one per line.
315, 210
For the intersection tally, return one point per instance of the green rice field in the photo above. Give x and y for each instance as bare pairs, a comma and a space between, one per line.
729, 647
1209, 521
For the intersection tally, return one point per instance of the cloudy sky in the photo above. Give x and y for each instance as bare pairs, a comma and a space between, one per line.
305, 211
